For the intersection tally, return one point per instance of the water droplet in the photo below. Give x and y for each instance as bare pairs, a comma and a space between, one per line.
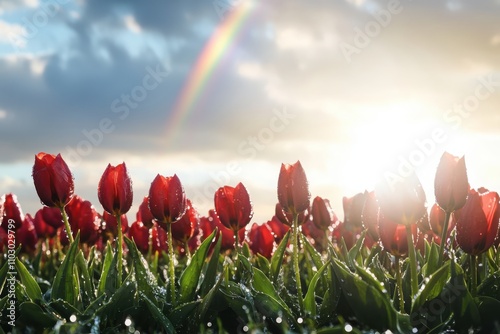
348, 328
209, 324
128, 322
415, 330
72, 318
245, 328
300, 320
279, 320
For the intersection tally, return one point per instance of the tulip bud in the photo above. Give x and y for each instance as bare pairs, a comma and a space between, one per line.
293, 188
477, 222
394, 237
140, 234
53, 180
11, 211
144, 215
184, 228
115, 190
322, 214
261, 240
233, 206
451, 184
167, 199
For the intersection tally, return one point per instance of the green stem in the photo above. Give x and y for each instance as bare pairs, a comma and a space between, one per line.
66, 225
444, 235
413, 261
188, 252
120, 248
473, 273
237, 248
400, 285
171, 263
295, 228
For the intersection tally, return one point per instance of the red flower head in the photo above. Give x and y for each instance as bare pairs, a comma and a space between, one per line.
261, 240
115, 190
26, 235
370, 215
52, 216
436, 220
208, 225
144, 215
322, 214
353, 208
53, 180
451, 185
477, 222
43, 230
167, 200
12, 212
183, 230
278, 228
402, 201
233, 206
83, 217
349, 233
140, 234
110, 224
393, 236
293, 188
317, 237
159, 239
287, 218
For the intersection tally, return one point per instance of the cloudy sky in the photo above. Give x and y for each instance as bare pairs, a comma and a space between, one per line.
224, 91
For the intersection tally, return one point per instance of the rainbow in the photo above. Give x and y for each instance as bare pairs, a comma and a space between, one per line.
206, 64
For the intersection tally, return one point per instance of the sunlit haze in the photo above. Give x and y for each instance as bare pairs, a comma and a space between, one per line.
222, 92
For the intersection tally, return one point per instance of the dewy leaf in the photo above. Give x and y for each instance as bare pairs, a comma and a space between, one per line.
32, 288
262, 284
490, 286
211, 272
315, 256
371, 307
36, 316
191, 275
432, 288
146, 281
309, 300
158, 315
277, 258
107, 265
64, 286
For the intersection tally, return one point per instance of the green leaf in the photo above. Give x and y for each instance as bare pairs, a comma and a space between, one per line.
34, 315
490, 286
263, 264
181, 313
315, 256
431, 263
371, 307
32, 288
354, 253
66, 285
64, 309
273, 309
433, 288
120, 301
191, 275
488, 309
211, 271
3, 275
277, 258
158, 315
107, 282
146, 281
262, 284
309, 300
207, 300
367, 276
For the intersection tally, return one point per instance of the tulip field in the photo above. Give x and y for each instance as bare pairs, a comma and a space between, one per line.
398, 261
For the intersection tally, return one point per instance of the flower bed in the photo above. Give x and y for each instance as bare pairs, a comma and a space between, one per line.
391, 265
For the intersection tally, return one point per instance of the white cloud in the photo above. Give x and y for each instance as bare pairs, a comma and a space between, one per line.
3, 114
132, 24
12, 33
250, 70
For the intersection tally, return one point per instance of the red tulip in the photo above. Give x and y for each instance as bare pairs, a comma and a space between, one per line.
43, 230
4, 238
402, 202
184, 228
278, 228
208, 225
52, 216
393, 236
83, 217
115, 190
436, 220
353, 208
261, 240
53, 180
167, 200
293, 188
159, 239
144, 215
477, 222
451, 185
233, 206
430, 236
287, 218
317, 237
370, 215
350, 234
140, 234
322, 214
26, 235
110, 225
12, 211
